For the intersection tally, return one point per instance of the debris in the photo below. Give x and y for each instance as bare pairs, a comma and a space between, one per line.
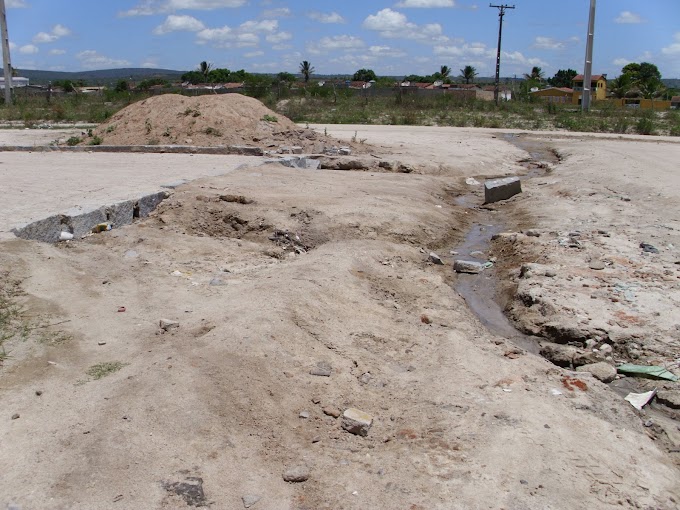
669, 398
101, 343
571, 382
647, 371
471, 181
332, 411
322, 369
435, 259
601, 371
357, 422
167, 325
648, 248
250, 500
532, 233
16, 416
639, 400
121, 309
217, 282
65, 236
304, 415
555, 392
468, 266
101, 227
296, 474
501, 189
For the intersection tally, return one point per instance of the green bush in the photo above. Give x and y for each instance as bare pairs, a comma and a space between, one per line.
74, 140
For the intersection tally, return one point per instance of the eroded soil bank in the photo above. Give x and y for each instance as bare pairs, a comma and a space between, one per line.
327, 272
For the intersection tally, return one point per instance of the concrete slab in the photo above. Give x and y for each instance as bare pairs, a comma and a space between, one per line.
501, 189
46, 185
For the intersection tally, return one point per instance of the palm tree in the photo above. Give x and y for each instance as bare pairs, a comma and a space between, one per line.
306, 69
204, 68
468, 73
536, 74
445, 71
621, 85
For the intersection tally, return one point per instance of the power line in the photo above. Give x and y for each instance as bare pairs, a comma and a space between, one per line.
501, 13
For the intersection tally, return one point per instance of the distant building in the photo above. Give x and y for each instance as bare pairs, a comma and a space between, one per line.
598, 86
17, 81
555, 95
675, 102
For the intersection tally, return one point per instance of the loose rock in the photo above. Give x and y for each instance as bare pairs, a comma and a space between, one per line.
250, 500
357, 422
435, 259
501, 189
332, 411
468, 266
16, 416
296, 474
670, 398
167, 324
322, 369
601, 371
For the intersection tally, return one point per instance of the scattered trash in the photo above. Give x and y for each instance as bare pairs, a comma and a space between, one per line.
101, 227
177, 273
121, 309
555, 392
65, 236
471, 181
647, 371
639, 400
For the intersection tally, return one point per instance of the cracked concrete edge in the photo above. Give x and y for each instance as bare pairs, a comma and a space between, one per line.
236, 150
80, 221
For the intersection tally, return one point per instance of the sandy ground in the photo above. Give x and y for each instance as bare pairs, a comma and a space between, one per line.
219, 408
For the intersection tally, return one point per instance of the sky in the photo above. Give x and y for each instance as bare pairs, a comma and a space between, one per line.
392, 37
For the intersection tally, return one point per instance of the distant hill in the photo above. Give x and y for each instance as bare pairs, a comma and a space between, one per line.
673, 83
100, 77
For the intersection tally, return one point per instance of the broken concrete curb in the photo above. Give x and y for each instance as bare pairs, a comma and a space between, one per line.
496, 190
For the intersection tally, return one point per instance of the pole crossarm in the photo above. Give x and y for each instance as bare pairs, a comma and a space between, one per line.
501, 13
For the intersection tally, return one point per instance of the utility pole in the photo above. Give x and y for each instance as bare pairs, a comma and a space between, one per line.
588, 67
7, 65
501, 13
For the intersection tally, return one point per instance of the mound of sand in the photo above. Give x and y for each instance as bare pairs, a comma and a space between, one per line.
207, 121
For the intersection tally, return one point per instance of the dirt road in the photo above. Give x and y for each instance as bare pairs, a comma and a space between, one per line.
277, 274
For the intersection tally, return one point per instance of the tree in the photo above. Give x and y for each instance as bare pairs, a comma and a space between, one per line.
445, 71
193, 77
122, 86
204, 68
286, 78
364, 75
468, 73
306, 69
536, 74
563, 78
621, 85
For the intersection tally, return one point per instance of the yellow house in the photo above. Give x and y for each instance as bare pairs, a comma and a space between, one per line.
598, 87
555, 95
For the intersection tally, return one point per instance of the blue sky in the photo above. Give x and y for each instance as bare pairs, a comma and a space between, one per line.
392, 37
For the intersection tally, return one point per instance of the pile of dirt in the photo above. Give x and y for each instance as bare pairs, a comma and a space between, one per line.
210, 121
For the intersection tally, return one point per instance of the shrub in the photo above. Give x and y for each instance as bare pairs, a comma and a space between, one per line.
645, 126
74, 140
96, 140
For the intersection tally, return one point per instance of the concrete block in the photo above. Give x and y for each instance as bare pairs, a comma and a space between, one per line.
82, 221
468, 266
120, 214
357, 422
167, 324
501, 189
148, 203
46, 230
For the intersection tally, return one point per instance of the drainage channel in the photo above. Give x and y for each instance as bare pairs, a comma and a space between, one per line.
481, 291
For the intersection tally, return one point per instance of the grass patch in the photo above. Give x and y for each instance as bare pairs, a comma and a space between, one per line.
12, 316
74, 140
212, 131
270, 118
96, 140
101, 370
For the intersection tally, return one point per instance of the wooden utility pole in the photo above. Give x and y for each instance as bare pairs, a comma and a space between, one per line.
501, 13
588, 67
7, 63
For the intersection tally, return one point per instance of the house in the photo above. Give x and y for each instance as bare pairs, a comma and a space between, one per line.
598, 87
555, 95
17, 81
675, 103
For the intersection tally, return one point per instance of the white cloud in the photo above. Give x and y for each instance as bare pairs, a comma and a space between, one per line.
282, 12
15, 4
395, 25
181, 23
628, 17
338, 42
386, 51
466, 50
149, 7
29, 49
12, 45
426, 4
90, 59
328, 18
57, 52
519, 59
247, 34
547, 43
149, 64
58, 31
621, 62
279, 37
253, 54
673, 48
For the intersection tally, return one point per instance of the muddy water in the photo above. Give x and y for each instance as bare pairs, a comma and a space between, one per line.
480, 291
